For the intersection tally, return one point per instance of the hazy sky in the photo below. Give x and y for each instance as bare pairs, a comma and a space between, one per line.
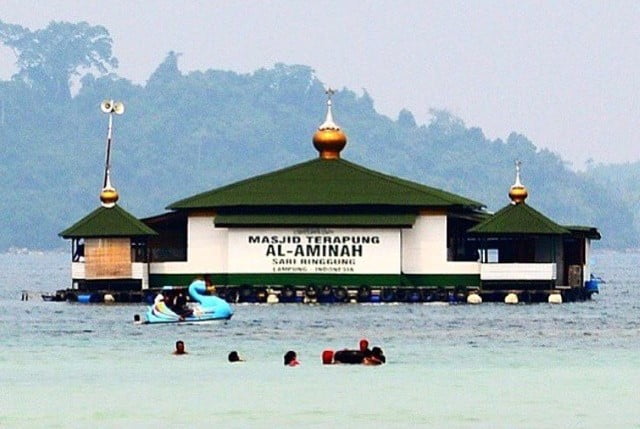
563, 73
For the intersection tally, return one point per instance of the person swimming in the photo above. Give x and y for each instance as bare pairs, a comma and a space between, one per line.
234, 357
351, 356
291, 358
377, 353
363, 345
363, 355
374, 357
180, 348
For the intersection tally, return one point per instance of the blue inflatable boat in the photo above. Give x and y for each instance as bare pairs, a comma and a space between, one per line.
208, 307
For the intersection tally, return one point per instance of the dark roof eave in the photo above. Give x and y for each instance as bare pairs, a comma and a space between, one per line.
315, 225
516, 234
590, 232
163, 217
306, 220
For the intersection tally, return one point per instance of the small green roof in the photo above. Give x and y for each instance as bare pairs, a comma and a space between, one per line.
324, 182
315, 220
518, 219
587, 231
107, 222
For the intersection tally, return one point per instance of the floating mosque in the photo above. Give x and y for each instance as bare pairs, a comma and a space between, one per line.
329, 230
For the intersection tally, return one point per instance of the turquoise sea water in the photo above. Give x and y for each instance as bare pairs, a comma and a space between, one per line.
452, 366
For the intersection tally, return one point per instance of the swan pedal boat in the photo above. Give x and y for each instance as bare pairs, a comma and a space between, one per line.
209, 308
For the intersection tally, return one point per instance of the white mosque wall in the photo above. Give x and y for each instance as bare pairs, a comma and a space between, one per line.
206, 246
77, 270
586, 269
172, 268
418, 250
314, 250
140, 270
518, 271
206, 250
424, 248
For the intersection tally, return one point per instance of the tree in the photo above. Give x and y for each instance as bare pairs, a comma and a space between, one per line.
167, 72
406, 119
48, 58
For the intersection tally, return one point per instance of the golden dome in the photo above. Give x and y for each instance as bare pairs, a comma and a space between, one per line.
108, 196
329, 140
518, 192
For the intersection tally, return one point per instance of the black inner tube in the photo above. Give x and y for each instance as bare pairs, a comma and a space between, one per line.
349, 356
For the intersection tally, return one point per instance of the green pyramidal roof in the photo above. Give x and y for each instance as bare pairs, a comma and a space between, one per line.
324, 182
518, 219
107, 222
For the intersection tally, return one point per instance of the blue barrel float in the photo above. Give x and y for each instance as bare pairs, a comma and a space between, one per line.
591, 286
84, 298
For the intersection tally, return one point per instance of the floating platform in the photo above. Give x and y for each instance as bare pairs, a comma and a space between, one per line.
311, 294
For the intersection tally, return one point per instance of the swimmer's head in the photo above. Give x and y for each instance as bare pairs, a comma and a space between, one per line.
364, 344
290, 357
234, 357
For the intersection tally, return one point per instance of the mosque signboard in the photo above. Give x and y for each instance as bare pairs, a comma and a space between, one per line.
314, 251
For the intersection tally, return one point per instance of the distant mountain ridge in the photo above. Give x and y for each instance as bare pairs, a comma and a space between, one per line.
623, 180
186, 133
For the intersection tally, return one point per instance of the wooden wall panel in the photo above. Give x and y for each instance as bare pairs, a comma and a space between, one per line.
108, 258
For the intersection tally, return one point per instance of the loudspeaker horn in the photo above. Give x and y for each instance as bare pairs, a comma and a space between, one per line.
106, 106
118, 108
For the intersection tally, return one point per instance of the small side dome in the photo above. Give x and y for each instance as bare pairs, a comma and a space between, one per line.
109, 197
518, 192
329, 140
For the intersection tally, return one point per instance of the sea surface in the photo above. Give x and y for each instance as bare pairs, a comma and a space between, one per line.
70, 365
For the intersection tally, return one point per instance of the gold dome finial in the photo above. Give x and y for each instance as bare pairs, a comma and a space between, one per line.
329, 140
108, 196
518, 192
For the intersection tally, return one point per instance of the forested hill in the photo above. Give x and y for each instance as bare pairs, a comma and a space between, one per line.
623, 180
186, 133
